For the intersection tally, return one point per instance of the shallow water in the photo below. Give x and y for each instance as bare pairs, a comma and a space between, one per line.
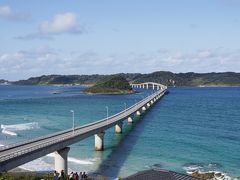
189, 128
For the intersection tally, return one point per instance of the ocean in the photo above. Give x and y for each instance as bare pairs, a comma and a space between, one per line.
188, 129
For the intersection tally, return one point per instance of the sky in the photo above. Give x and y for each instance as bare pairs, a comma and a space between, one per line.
115, 36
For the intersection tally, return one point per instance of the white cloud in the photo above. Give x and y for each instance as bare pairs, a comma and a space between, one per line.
61, 23
35, 62
204, 54
7, 13
32, 36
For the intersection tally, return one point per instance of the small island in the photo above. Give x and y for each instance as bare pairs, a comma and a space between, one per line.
116, 85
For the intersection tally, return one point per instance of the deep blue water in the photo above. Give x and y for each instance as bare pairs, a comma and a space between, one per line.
187, 128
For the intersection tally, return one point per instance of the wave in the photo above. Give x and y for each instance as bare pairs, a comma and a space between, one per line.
76, 161
10, 129
37, 165
213, 175
1, 145
206, 169
192, 167
9, 132
45, 164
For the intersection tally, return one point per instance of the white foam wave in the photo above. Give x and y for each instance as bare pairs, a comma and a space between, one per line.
46, 163
9, 132
10, 129
192, 168
218, 175
37, 165
198, 168
1, 145
78, 161
75, 160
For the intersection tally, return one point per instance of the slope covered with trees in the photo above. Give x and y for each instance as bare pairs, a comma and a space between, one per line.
163, 77
116, 85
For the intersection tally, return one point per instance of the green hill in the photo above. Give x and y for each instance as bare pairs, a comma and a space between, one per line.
116, 85
192, 79
163, 77
2, 81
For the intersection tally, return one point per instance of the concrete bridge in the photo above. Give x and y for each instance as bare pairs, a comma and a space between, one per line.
148, 85
18, 154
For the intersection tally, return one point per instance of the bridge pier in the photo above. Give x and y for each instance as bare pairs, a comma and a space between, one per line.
138, 113
118, 128
148, 105
130, 119
61, 162
99, 141
144, 108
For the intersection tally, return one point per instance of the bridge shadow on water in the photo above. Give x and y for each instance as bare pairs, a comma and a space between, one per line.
122, 146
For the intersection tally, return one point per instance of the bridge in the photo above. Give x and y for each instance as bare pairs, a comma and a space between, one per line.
148, 85
15, 155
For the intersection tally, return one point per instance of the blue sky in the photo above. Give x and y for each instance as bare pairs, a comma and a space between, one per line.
113, 36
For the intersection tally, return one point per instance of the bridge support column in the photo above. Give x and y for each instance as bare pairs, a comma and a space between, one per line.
118, 128
144, 108
99, 141
148, 105
130, 119
138, 113
61, 162
151, 101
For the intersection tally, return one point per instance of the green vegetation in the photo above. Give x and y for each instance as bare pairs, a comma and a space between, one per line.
2, 81
116, 85
25, 176
37, 176
163, 77
62, 79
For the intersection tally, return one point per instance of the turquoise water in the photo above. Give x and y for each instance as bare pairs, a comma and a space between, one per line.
188, 128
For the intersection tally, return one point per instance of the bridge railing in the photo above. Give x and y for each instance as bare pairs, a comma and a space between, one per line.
32, 148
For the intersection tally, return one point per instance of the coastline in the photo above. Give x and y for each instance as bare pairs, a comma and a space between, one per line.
90, 85
111, 93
